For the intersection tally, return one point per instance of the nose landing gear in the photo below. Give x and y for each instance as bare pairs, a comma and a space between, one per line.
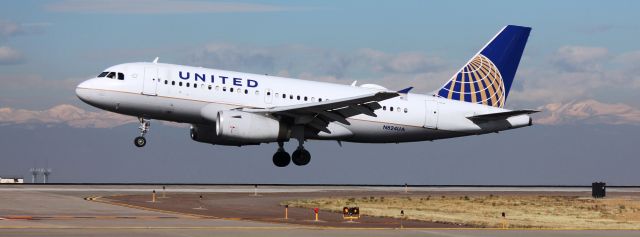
140, 141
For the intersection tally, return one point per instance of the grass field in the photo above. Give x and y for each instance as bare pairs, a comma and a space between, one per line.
522, 211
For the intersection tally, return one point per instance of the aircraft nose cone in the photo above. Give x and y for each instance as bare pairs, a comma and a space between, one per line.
83, 92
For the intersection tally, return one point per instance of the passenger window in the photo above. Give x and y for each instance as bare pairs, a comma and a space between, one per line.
291, 97
187, 84
166, 82
246, 91
231, 89
217, 88
120, 76
173, 83
257, 92
319, 99
390, 108
268, 93
398, 109
313, 99
406, 110
277, 95
209, 87
195, 85
384, 108
298, 97
284, 96
180, 84
103, 74
224, 88
305, 98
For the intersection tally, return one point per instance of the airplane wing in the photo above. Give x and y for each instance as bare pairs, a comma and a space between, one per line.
319, 114
500, 115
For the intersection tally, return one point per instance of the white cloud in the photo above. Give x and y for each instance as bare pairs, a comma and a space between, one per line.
579, 73
10, 56
580, 58
10, 29
405, 62
297, 61
159, 7
588, 112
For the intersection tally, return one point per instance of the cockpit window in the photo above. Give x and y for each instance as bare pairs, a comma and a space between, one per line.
112, 75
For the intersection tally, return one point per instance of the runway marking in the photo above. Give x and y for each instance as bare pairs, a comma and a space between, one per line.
196, 216
86, 217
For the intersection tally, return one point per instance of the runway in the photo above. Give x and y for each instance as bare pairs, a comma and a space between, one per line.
63, 211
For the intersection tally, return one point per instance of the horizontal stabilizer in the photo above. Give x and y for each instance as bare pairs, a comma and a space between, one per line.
405, 90
500, 115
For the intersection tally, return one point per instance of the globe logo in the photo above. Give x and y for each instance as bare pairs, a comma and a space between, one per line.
478, 82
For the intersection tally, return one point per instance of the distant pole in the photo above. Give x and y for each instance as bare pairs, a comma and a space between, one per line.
164, 192
255, 190
401, 217
153, 196
406, 188
46, 172
286, 212
34, 174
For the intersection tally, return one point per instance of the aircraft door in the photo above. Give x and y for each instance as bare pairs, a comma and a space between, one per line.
150, 81
431, 116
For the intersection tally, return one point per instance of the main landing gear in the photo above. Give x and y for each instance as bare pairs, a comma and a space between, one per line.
300, 156
140, 141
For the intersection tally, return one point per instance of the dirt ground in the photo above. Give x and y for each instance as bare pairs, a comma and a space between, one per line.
422, 209
521, 211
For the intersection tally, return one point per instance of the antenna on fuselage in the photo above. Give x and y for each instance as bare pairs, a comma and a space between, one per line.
156, 60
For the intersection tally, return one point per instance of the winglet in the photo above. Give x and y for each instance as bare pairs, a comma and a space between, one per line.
405, 90
156, 60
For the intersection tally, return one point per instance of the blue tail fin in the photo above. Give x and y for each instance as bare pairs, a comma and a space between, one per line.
487, 77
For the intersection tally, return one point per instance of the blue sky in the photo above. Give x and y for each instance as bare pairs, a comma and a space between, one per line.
581, 65
70, 40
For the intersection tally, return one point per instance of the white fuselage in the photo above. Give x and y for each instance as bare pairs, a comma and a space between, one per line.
179, 93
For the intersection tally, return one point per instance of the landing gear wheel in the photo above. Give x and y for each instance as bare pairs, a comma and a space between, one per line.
140, 141
281, 159
301, 157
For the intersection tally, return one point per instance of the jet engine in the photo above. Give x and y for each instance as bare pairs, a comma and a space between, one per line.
246, 127
207, 134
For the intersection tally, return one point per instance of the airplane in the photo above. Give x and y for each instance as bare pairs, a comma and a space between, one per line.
237, 109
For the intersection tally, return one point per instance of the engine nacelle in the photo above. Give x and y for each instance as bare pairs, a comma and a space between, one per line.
207, 134
251, 128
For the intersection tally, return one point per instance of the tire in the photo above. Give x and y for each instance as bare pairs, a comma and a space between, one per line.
301, 157
281, 159
140, 141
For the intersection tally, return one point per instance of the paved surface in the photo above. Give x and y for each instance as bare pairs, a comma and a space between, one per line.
62, 211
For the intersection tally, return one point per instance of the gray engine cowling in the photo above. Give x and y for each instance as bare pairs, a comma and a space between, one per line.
207, 134
249, 128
